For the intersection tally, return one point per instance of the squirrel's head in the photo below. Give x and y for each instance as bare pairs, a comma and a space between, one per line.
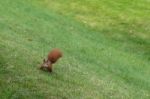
46, 63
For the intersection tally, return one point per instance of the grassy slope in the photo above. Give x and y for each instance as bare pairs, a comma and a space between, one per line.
124, 21
101, 58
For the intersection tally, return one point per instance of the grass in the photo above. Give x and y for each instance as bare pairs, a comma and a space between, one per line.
106, 46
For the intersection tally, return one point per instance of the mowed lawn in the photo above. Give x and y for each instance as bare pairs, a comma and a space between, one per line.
105, 45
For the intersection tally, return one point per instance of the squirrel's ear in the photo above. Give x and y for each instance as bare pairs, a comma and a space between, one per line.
44, 60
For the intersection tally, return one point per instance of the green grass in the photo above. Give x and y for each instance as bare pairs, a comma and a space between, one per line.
106, 47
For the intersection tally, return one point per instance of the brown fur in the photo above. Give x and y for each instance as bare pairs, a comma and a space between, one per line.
52, 58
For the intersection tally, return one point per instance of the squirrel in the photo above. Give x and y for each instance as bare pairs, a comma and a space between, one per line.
52, 58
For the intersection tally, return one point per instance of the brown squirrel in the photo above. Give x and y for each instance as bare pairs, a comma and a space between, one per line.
52, 58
